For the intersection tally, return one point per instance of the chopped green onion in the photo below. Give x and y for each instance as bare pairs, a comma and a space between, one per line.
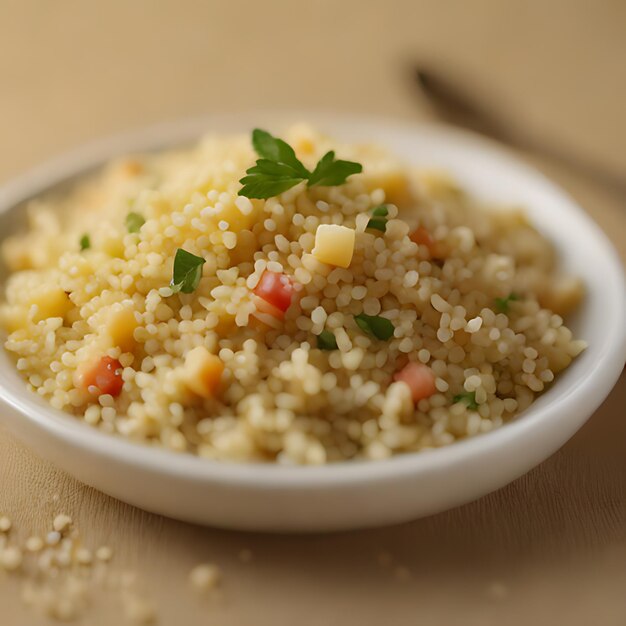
134, 222
187, 271
469, 398
377, 224
379, 219
85, 242
326, 341
379, 327
502, 304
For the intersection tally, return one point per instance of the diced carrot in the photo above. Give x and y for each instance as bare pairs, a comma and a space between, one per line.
276, 290
419, 378
105, 375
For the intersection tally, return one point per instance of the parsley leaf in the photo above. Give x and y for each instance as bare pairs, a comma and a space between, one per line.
330, 171
269, 178
379, 327
326, 341
468, 398
134, 222
259, 186
379, 219
85, 242
279, 169
187, 271
502, 304
277, 150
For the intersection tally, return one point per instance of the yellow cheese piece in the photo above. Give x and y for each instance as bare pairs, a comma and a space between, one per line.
334, 244
396, 185
50, 302
202, 372
113, 246
120, 327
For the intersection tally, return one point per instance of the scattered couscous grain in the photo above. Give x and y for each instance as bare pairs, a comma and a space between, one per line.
104, 553
10, 558
138, 610
61, 523
84, 556
34, 544
205, 576
58, 579
53, 538
199, 330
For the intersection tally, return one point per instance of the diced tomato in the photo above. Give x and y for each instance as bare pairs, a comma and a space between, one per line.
276, 289
419, 378
106, 375
423, 238
436, 249
264, 307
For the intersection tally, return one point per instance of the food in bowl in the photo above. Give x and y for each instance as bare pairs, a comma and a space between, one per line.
269, 301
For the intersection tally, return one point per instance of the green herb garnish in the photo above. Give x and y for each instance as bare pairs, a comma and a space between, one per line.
379, 327
330, 171
85, 242
326, 341
502, 304
468, 397
279, 168
134, 222
378, 220
187, 271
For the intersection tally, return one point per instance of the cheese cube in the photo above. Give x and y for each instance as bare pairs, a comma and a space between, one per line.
563, 296
13, 318
234, 219
120, 328
334, 244
50, 302
395, 183
202, 372
113, 246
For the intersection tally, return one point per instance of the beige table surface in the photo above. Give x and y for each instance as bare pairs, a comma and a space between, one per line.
549, 548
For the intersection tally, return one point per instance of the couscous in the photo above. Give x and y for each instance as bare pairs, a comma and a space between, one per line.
302, 309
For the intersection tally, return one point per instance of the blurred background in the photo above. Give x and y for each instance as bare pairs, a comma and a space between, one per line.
551, 548
72, 70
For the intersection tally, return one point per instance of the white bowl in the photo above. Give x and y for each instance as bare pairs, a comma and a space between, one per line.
353, 494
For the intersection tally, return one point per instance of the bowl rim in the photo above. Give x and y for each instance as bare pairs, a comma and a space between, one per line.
586, 398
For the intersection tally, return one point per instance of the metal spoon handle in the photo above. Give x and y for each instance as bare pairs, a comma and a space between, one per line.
458, 106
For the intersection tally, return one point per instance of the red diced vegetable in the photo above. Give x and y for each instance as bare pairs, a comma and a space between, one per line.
423, 238
105, 375
419, 378
275, 289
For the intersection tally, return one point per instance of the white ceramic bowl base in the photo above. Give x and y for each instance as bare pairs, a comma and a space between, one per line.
356, 494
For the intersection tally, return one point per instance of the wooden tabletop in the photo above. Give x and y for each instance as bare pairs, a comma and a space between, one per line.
548, 549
